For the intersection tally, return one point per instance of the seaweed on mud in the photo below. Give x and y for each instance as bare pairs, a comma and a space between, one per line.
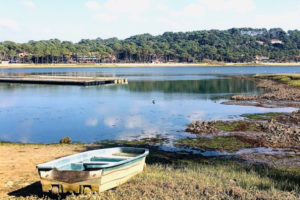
219, 143
263, 116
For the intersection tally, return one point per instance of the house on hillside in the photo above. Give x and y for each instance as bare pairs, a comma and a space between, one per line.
260, 42
155, 59
276, 41
261, 58
112, 58
22, 55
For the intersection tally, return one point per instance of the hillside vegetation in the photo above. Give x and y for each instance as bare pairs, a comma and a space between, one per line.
233, 45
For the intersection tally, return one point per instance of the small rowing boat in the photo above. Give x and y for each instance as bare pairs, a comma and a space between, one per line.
92, 171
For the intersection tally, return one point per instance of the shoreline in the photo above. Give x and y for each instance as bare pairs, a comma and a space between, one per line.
198, 174
150, 65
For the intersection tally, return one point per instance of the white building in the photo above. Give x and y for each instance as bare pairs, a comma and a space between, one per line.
4, 62
276, 41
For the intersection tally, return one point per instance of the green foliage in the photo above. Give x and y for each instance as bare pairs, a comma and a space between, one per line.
233, 45
295, 83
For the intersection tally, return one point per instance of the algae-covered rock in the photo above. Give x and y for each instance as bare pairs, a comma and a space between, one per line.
66, 140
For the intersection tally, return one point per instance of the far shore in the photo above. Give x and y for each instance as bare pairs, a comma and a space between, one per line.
19, 66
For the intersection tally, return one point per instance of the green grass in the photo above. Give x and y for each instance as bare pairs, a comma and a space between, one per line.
295, 83
263, 116
195, 177
220, 143
289, 79
236, 126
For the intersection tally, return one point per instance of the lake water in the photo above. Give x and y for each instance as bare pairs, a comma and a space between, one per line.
45, 113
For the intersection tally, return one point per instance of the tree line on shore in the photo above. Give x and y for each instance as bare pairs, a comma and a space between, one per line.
233, 45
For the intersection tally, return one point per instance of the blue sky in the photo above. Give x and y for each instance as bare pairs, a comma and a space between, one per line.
23, 20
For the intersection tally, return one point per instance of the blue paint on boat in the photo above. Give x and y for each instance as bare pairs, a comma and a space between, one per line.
96, 159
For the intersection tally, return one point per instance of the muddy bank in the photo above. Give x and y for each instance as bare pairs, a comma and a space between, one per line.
275, 91
271, 138
279, 91
280, 131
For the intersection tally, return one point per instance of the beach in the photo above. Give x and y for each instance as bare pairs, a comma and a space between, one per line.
216, 64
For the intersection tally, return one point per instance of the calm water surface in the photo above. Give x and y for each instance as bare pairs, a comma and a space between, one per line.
45, 114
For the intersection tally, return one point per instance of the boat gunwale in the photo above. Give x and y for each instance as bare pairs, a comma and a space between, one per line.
51, 164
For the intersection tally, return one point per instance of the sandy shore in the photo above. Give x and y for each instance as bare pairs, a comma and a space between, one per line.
17, 165
11, 66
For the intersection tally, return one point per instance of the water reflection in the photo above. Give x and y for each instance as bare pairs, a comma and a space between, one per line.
159, 71
43, 113
91, 122
210, 86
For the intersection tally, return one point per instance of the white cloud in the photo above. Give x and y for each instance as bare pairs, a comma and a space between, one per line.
180, 19
93, 5
136, 18
130, 6
25, 128
198, 115
29, 4
9, 23
47, 30
192, 16
134, 122
91, 122
168, 22
105, 17
287, 20
5, 103
111, 121
241, 6
194, 10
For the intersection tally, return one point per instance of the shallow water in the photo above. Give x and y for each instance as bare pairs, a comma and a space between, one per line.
45, 114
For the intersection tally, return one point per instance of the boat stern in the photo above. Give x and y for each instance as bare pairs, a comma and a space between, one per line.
55, 181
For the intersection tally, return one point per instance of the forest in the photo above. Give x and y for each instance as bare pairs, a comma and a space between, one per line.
236, 45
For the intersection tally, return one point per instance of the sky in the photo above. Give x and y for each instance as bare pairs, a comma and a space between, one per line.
73, 20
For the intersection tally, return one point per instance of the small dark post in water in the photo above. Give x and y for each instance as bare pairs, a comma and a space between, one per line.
153, 101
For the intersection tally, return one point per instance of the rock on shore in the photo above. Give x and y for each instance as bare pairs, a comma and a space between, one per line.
275, 91
198, 127
282, 132
280, 135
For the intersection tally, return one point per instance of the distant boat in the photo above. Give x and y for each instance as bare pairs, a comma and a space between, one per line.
92, 171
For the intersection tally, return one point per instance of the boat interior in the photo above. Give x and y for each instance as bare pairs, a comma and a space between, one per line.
96, 159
